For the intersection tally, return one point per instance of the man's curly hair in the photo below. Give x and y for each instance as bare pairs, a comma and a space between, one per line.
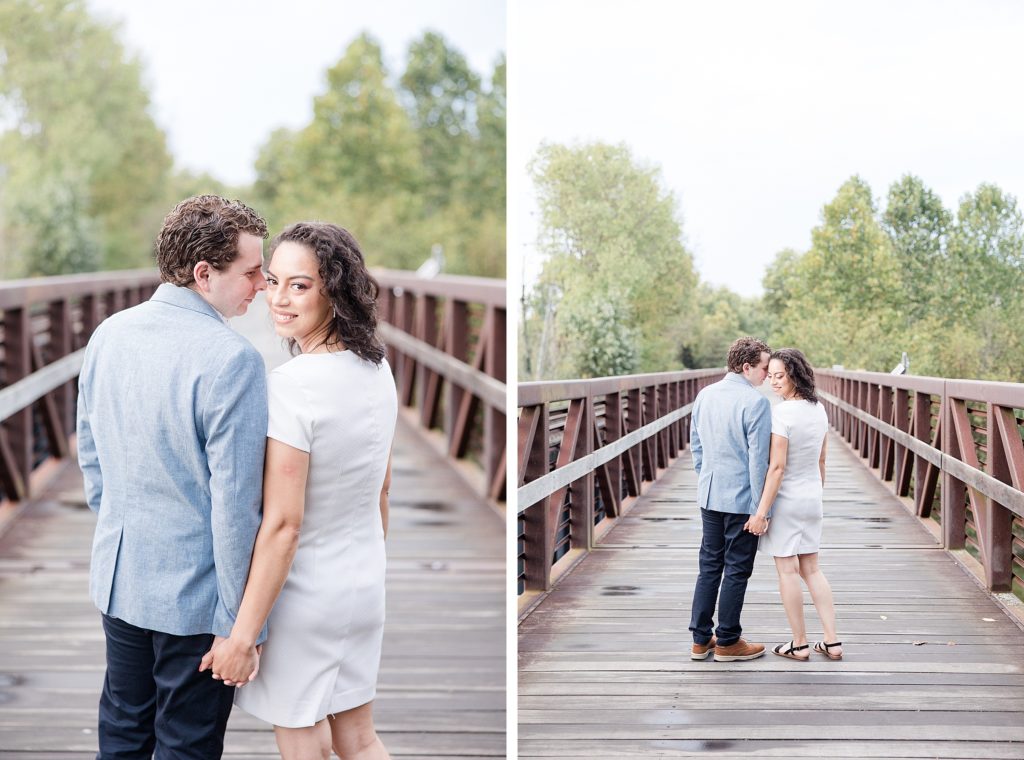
203, 228
746, 350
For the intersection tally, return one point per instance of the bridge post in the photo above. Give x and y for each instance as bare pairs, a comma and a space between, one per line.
458, 347
494, 420
874, 408
613, 431
886, 457
634, 455
16, 443
903, 454
538, 533
954, 492
405, 308
427, 381
998, 523
61, 346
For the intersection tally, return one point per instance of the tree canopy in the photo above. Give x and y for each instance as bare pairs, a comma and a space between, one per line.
614, 295
406, 161
913, 277
618, 293
83, 166
401, 166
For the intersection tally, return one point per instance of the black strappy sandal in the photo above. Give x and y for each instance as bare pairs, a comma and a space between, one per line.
782, 651
822, 647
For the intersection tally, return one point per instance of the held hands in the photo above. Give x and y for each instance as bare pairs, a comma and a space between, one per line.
231, 661
757, 524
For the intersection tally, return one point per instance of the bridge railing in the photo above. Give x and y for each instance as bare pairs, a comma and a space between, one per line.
446, 344
46, 323
445, 336
956, 447
586, 450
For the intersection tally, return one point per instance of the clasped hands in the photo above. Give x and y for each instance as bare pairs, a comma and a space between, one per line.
232, 661
757, 525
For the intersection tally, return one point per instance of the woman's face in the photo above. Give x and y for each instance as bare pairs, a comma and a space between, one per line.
295, 294
778, 379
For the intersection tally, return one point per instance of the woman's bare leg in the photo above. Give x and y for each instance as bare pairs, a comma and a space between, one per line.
792, 594
354, 737
311, 743
821, 594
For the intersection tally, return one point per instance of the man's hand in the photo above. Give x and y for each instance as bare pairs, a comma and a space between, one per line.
757, 525
231, 661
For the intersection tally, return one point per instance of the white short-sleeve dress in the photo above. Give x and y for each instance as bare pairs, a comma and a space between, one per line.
795, 526
324, 633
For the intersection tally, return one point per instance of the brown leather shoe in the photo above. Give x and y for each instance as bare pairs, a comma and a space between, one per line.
701, 651
741, 650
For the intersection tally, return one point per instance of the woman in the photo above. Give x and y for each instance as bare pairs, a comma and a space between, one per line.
333, 409
792, 493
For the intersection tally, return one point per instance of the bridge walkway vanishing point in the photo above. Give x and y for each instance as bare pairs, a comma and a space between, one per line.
442, 679
933, 666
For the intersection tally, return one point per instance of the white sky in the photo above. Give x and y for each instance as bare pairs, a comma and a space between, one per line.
758, 111
223, 74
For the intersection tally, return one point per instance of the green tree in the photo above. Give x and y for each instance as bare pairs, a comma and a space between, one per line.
917, 225
361, 161
838, 302
486, 190
614, 260
913, 278
79, 140
361, 138
444, 92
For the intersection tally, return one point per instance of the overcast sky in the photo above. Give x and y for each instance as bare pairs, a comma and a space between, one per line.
757, 111
223, 74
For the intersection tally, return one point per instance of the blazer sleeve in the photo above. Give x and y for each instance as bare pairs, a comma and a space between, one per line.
696, 449
759, 438
235, 420
88, 458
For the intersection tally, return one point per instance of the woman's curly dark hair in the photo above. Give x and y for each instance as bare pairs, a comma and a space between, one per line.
799, 371
347, 283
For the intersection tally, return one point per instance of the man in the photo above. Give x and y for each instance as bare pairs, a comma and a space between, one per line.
730, 435
172, 424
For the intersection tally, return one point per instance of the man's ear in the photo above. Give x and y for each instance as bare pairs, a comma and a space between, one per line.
201, 274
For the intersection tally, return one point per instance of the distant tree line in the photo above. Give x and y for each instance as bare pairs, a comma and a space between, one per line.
944, 286
618, 293
86, 175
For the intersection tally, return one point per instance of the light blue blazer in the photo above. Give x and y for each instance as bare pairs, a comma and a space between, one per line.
172, 425
730, 435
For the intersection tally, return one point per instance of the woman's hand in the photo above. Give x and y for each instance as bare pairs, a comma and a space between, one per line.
232, 661
757, 524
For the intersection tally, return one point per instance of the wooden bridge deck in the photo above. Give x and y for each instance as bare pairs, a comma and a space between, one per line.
442, 679
933, 666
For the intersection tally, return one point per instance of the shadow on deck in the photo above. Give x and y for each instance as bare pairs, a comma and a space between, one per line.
933, 666
442, 679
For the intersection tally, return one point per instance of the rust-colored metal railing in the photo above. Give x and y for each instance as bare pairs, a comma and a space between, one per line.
446, 344
46, 323
586, 450
445, 337
955, 446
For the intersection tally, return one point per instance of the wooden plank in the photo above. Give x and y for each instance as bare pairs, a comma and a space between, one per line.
933, 667
442, 678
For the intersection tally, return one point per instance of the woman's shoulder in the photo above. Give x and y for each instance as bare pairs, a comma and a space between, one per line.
797, 408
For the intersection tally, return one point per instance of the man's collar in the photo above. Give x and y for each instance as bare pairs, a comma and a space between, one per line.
186, 298
736, 377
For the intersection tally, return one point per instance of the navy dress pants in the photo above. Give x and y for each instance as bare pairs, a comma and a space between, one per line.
726, 562
155, 702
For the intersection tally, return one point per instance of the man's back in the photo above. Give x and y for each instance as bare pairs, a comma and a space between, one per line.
172, 426
730, 433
